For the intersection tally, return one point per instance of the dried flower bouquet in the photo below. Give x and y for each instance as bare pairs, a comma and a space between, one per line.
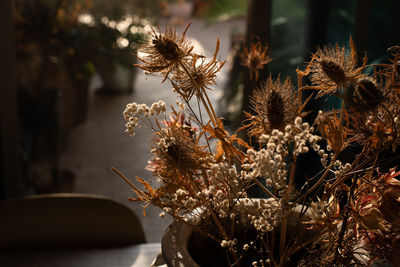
204, 173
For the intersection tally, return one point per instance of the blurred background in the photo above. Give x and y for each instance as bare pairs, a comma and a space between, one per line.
67, 73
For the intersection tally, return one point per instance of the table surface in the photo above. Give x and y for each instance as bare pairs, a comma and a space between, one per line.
129, 256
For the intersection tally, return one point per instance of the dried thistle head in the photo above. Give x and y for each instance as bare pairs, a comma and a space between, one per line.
332, 130
200, 75
164, 51
255, 58
372, 132
332, 68
365, 95
177, 158
381, 133
275, 106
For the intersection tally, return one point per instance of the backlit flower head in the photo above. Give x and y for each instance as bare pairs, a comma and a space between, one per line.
164, 51
255, 58
275, 105
365, 95
205, 179
332, 68
201, 73
176, 155
373, 132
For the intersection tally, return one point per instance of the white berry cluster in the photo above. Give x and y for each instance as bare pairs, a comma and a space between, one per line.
133, 111
264, 214
261, 263
182, 202
340, 169
229, 243
269, 162
224, 187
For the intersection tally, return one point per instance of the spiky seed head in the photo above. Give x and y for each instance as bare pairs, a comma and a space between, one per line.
254, 62
274, 104
368, 91
364, 95
202, 73
334, 71
164, 51
394, 50
255, 58
167, 48
198, 77
275, 110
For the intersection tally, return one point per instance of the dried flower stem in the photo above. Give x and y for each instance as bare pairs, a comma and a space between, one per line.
266, 243
207, 204
322, 179
288, 253
209, 108
286, 199
125, 179
209, 103
339, 181
208, 184
300, 85
263, 188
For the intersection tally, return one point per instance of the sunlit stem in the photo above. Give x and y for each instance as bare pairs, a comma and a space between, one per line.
263, 188
208, 109
126, 180
207, 105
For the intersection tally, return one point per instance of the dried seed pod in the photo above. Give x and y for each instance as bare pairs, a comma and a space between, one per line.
368, 90
255, 58
164, 51
167, 48
202, 74
334, 71
275, 106
394, 50
275, 110
364, 95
